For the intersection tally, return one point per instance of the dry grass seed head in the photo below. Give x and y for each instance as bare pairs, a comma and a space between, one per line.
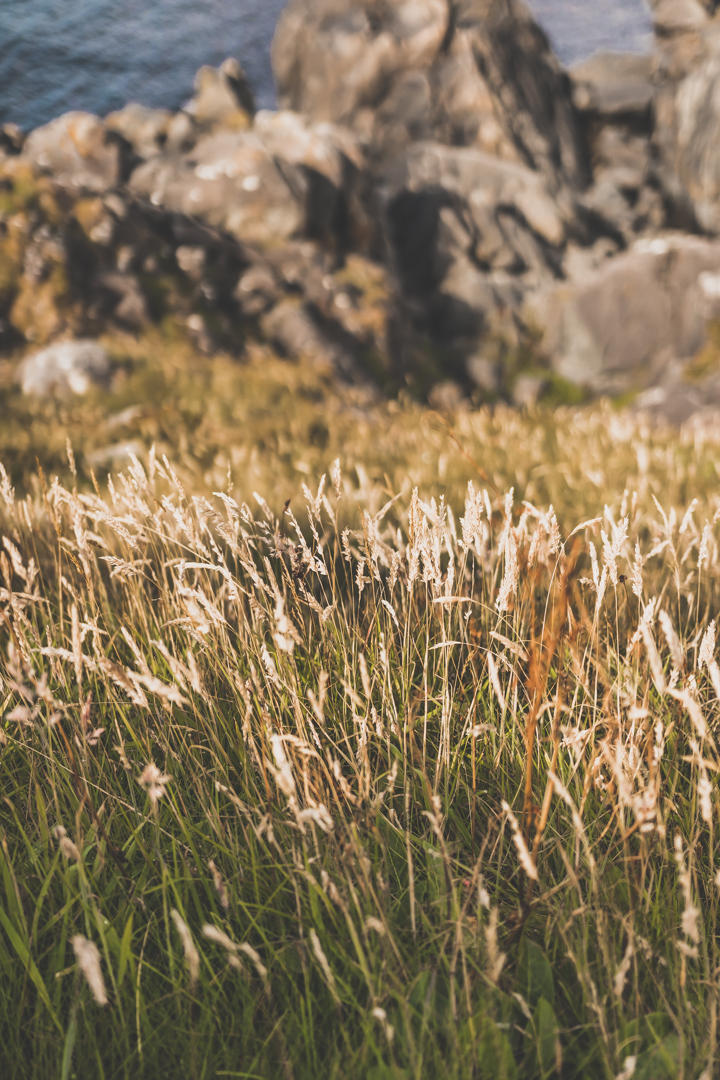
88, 959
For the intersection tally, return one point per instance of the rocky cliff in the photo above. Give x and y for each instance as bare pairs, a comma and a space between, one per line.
436, 199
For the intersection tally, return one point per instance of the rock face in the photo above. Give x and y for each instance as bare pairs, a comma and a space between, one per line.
687, 110
283, 179
279, 231
435, 199
468, 235
615, 329
462, 72
76, 151
614, 85
145, 130
222, 97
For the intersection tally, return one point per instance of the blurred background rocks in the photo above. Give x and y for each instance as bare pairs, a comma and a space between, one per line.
436, 201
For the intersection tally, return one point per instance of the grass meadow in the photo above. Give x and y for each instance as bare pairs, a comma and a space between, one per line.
412, 776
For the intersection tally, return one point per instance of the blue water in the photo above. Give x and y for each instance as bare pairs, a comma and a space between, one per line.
97, 55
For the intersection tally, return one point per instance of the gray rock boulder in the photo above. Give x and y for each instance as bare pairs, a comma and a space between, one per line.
11, 139
614, 85
678, 16
230, 181
257, 290
687, 110
283, 178
468, 234
471, 73
143, 128
76, 150
616, 328
688, 134
65, 367
291, 328
223, 97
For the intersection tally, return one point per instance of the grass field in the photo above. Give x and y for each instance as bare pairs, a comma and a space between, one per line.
420, 784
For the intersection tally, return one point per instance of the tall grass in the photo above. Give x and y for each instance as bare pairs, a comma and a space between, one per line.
390, 791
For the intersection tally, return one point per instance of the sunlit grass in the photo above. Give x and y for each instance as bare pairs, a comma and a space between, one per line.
408, 789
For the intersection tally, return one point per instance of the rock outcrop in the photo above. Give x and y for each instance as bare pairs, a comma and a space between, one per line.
617, 328
436, 197
78, 151
281, 180
687, 109
461, 72
267, 258
471, 73
468, 235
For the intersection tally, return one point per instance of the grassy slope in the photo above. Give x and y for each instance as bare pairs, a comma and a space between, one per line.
338, 758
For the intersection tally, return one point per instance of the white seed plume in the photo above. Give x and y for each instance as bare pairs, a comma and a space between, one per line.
566, 797
628, 1070
395, 565
622, 971
360, 580
323, 962
67, 847
715, 676
535, 546
253, 955
495, 958
691, 913
594, 564
330, 888
555, 538
6, 490
495, 681
687, 518
694, 711
319, 815
88, 958
611, 551
602, 585
381, 1015
654, 657
336, 477
154, 782
345, 540
220, 888
704, 543
646, 619
192, 956
509, 499
705, 795
707, 647
270, 668
285, 634
636, 573
371, 923
471, 524
676, 649
523, 854
220, 938
509, 582
283, 771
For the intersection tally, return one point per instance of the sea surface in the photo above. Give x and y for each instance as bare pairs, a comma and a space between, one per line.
97, 55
